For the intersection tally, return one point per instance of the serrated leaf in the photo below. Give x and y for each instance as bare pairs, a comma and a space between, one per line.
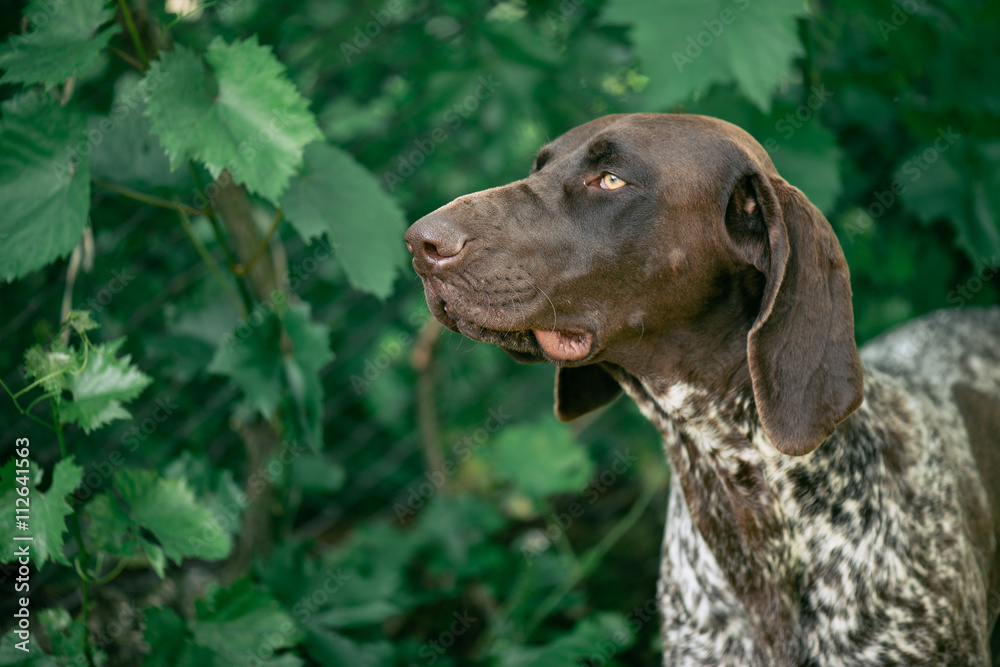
242, 115
100, 388
242, 620
686, 45
49, 366
540, 459
337, 196
167, 508
63, 41
46, 520
44, 183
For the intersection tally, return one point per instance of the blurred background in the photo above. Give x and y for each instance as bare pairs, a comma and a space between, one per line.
309, 470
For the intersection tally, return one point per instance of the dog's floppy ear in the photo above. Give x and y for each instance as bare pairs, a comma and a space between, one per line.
804, 364
581, 389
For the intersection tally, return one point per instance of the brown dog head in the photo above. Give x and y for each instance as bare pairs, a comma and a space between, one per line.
667, 245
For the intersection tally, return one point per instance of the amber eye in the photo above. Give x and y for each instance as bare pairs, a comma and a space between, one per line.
611, 182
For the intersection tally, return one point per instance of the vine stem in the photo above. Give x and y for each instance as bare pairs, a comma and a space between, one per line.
146, 198
74, 522
127, 13
212, 266
220, 239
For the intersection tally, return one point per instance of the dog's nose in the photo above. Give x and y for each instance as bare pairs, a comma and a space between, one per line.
435, 241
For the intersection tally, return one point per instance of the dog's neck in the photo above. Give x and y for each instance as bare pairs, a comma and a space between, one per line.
719, 454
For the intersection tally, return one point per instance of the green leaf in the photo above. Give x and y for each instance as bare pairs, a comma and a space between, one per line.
167, 507
44, 183
803, 151
243, 621
331, 648
255, 364
49, 366
558, 463
64, 40
126, 152
686, 45
101, 387
242, 115
172, 643
46, 520
603, 636
337, 196
963, 187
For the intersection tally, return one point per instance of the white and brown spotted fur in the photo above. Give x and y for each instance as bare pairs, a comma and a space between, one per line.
826, 509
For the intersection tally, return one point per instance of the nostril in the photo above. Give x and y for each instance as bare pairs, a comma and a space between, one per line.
431, 251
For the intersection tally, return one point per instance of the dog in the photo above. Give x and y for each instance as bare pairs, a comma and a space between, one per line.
828, 507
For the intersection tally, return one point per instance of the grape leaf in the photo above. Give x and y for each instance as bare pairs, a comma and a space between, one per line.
46, 519
44, 183
64, 40
337, 196
241, 115
99, 389
167, 507
685, 46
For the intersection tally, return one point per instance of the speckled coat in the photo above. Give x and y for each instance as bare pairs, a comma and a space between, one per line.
868, 551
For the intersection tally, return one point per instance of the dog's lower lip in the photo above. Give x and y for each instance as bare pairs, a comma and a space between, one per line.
564, 345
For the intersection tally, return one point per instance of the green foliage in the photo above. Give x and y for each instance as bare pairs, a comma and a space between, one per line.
337, 196
264, 405
44, 185
48, 510
240, 114
62, 41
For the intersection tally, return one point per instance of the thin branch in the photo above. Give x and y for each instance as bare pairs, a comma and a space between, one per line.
127, 13
126, 57
213, 219
146, 198
212, 266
